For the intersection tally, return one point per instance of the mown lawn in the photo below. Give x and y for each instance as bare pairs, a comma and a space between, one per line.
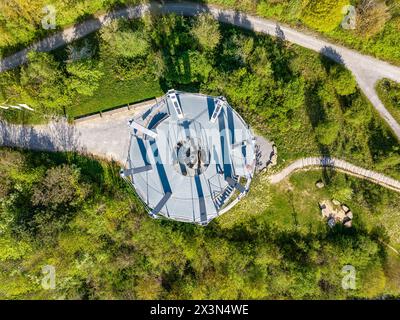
113, 93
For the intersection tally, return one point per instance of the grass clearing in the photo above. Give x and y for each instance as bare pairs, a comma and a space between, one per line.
293, 203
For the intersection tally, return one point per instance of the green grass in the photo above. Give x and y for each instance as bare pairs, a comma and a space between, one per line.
292, 206
113, 93
293, 203
389, 93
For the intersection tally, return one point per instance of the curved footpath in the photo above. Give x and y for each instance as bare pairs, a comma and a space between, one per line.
340, 165
367, 70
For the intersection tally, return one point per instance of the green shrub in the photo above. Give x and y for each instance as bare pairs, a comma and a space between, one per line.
206, 31
327, 133
343, 81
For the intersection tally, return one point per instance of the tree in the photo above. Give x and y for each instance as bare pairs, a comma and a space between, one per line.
323, 15
42, 82
125, 43
260, 62
343, 81
327, 132
84, 76
192, 67
156, 65
19, 21
148, 288
206, 31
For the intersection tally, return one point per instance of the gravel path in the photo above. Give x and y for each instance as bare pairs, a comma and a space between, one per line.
341, 165
107, 136
367, 70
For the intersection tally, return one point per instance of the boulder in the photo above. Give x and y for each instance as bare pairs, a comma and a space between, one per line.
348, 224
345, 208
349, 214
320, 184
331, 222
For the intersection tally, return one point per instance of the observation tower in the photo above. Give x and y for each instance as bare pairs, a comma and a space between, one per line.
191, 157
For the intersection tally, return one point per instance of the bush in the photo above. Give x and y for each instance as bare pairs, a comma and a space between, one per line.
372, 16
343, 81
124, 43
327, 132
61, 189
323, 15
206, 31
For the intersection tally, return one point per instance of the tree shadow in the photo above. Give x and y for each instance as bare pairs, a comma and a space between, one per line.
316, 112
317, 115
79, 49
58, 135
329, 56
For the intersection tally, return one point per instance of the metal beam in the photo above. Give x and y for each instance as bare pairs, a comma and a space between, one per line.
23, 105
161, 204
240, 144
175, 103
142, 129
131, 171
218, 108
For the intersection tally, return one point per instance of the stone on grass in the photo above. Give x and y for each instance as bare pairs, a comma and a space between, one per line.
349, 214
320, 184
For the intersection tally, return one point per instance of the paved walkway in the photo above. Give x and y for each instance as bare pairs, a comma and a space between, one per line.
326, 162
367, 70
107, 137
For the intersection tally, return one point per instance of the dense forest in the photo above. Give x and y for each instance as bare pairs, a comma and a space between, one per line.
377, 22
78, 215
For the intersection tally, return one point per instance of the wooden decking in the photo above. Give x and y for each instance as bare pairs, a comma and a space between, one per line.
340, 165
